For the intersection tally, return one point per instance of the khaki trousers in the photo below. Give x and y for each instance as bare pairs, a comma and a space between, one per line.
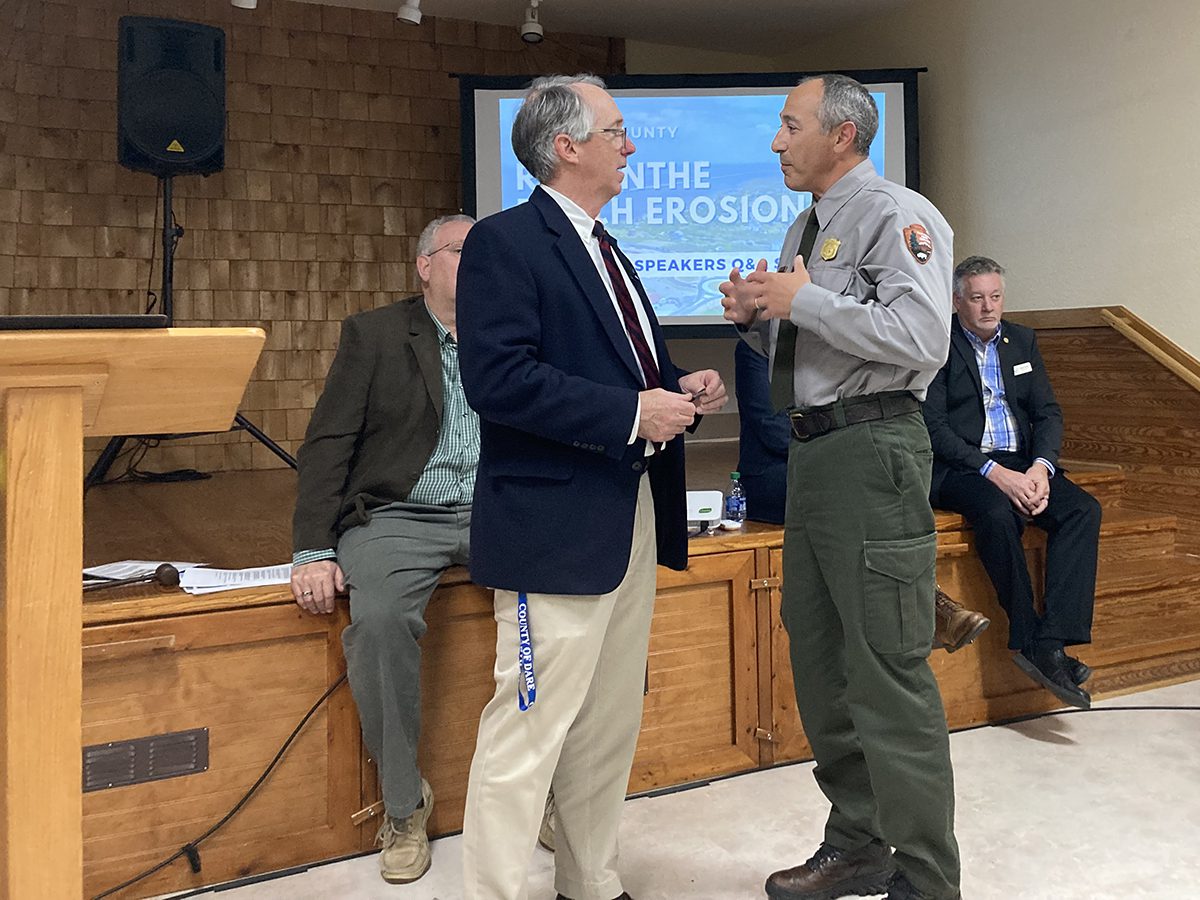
579, 735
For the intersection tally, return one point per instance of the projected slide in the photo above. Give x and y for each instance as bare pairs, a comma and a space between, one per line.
702, 193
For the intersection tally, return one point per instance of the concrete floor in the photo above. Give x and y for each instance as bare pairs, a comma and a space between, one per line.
1104, 804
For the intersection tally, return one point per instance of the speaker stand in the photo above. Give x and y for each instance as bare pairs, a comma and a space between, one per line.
171, 234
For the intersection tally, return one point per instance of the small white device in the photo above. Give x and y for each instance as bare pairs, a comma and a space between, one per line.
704, 508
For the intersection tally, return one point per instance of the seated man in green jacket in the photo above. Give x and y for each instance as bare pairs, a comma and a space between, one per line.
383, 508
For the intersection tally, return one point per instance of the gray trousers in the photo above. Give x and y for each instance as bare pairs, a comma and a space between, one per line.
858, 572
392, 564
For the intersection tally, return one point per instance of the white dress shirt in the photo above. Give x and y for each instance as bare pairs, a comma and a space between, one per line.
583, 224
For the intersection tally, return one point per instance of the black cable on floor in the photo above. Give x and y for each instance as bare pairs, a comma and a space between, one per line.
192, 849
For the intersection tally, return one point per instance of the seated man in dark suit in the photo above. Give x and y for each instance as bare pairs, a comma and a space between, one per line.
383, 508
996, 431
763, 437
763, 441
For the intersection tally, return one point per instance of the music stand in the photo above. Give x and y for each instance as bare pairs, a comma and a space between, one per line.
171, 234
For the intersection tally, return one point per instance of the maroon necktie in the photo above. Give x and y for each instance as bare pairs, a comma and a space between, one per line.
628, 312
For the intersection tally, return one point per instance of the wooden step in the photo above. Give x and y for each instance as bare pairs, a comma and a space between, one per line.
1130, 534
1146, 631
1175, 573
1103, 481
1152, 605
1125, 534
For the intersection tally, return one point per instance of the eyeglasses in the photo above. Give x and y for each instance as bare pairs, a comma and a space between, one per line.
622, 133
454, 247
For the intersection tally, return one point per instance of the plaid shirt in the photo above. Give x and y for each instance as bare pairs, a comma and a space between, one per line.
1000, 431
449, 476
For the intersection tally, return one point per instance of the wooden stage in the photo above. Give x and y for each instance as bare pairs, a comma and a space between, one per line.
246, 665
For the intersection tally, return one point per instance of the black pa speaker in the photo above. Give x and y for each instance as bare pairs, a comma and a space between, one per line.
170, 97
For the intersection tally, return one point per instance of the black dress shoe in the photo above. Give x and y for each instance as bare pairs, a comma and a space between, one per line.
900, 888
831, 873
624, 896
1048, 667
1079, 671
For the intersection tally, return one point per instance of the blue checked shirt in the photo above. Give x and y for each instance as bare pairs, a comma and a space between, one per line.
449, 476
999, 424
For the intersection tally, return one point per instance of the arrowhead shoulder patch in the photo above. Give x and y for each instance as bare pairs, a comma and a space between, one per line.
918, 242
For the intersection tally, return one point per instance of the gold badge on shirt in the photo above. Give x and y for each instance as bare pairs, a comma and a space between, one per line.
830, 248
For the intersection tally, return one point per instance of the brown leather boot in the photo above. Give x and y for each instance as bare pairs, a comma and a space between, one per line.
955, 626
831, 873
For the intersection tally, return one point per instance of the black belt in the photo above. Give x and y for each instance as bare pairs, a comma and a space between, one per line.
818, 420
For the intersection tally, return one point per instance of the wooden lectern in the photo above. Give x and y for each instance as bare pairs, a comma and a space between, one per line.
55, 388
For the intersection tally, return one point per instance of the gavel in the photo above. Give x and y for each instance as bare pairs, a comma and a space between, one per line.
166, 575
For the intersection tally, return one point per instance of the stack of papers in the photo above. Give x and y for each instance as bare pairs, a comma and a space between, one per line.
202, 580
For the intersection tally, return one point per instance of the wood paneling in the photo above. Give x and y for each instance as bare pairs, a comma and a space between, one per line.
788, 740
41, 546
1121, 406
701, 711
342, 142
248, 676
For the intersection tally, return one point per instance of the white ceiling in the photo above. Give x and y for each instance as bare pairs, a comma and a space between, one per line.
749, 26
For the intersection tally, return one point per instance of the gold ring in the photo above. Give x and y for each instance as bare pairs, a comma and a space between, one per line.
306, 593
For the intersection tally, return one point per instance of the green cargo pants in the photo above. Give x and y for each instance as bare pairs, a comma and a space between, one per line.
858, 587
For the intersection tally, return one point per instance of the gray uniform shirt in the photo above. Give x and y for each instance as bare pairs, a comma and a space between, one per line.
876, 316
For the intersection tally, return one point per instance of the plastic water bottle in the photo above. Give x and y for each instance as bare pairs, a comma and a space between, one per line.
735, 500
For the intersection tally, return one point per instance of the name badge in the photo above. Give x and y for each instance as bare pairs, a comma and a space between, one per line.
1022, 368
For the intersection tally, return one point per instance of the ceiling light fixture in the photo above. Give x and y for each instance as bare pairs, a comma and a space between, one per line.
244, 4
531, 31
409, 12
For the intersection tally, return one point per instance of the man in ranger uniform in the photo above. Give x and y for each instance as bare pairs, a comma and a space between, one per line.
855, 336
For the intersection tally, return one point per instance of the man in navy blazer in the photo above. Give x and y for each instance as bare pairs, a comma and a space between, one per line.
996, 431
580, 492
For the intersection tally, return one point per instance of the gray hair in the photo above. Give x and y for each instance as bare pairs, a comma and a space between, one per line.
429, 232
972, 266
845, 100
552, 107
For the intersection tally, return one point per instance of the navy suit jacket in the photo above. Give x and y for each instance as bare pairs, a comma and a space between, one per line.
953, 407
547, 365
763, 437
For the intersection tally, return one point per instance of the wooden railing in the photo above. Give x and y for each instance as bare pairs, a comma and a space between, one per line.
1126, 323
1154, 343
1130, 396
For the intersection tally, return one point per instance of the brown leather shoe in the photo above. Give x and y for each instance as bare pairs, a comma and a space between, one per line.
831, 873
955, 626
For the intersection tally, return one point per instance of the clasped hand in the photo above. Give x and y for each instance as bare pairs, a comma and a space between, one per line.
1028, 491
762, 293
